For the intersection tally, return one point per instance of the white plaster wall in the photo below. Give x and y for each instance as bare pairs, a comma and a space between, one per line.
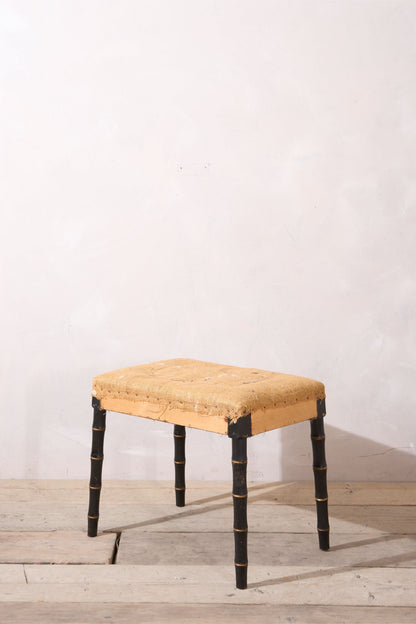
230, 180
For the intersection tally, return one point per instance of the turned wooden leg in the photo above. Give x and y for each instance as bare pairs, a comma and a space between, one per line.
179, 435
98, 430
320, 470
239, 463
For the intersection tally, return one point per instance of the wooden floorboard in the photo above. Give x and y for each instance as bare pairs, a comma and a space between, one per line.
211, 517
55, 547
267, 549
286, 585
176, 565
203, 492
183, 613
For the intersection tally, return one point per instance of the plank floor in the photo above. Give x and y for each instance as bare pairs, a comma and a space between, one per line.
153, 562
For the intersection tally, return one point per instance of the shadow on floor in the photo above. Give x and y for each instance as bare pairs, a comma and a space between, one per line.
366, 459
350, 457
296, 459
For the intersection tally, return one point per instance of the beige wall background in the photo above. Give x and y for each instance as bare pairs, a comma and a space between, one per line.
226, 180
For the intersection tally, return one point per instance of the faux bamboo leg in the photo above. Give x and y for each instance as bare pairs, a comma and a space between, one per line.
319, 470
239, 463
179, 435
98, 430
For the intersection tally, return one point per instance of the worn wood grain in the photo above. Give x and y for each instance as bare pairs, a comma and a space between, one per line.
216, 517
12, 573
267, 549
128, 613
55, 547
287, 585
204, 492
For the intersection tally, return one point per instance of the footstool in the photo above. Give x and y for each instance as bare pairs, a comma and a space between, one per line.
233, 401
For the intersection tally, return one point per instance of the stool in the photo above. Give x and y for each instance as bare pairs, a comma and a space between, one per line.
238, 402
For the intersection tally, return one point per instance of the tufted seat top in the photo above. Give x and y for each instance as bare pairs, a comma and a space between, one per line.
208, 396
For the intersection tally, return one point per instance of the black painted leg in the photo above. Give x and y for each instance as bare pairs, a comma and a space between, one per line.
97, 457
320, 470
239, 463
179, 435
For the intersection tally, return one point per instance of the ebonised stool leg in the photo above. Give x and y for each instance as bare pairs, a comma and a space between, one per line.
320, 470
97, 457
179, 435
239, 463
